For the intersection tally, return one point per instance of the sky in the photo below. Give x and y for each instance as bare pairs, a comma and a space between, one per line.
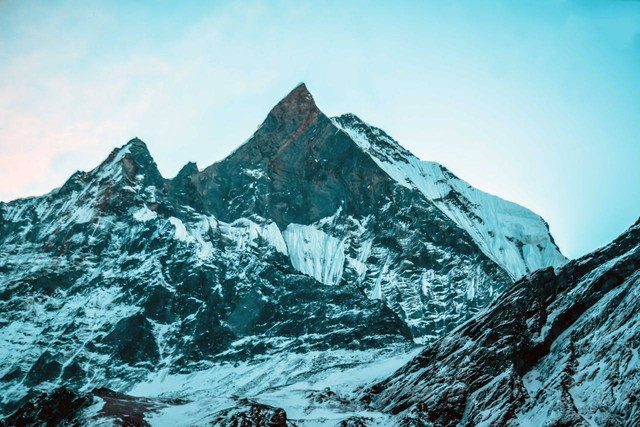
536, 102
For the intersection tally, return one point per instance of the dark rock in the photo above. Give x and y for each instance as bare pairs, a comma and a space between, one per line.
60, 407
132, 340
46, 368
251, 414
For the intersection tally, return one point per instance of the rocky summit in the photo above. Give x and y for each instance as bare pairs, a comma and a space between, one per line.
319, 275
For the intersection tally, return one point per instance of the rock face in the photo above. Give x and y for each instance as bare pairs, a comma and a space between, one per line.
557, 348
318, 245
60, 407
251, 414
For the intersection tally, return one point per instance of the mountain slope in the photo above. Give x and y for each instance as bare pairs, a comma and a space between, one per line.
127, 280
513, 236
558, 348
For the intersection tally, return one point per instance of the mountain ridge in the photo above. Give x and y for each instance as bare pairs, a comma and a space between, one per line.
297, 254
296, 112
300, 168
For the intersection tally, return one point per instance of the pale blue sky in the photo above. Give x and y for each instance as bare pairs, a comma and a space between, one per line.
537, 102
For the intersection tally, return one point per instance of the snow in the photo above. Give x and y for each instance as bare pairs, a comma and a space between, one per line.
254, 173
376, 292
532, 382
271, 233
315, 253
112, 169
82, 214
198, 413
285, 380
181, 230
243, 232
601, 348
246, 232
359, 264
472, 289
144, 214
488, 418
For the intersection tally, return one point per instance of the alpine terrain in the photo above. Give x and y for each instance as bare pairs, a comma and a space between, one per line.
319, 275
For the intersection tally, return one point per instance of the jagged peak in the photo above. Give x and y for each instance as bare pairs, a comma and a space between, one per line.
348, 117
191, 168
138, 150
294, 113
132, 159
135, 148
135, 141
300, 94
298, 103
352, 120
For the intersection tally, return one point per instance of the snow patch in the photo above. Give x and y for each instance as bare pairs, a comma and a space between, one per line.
284, 380
254, 173
144, 214
246, 233
315, 253
181, 230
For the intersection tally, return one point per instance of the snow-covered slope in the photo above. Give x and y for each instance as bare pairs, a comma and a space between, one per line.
513, 236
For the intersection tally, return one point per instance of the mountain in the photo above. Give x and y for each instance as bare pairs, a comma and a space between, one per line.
270, 285
333, 188
557, 348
